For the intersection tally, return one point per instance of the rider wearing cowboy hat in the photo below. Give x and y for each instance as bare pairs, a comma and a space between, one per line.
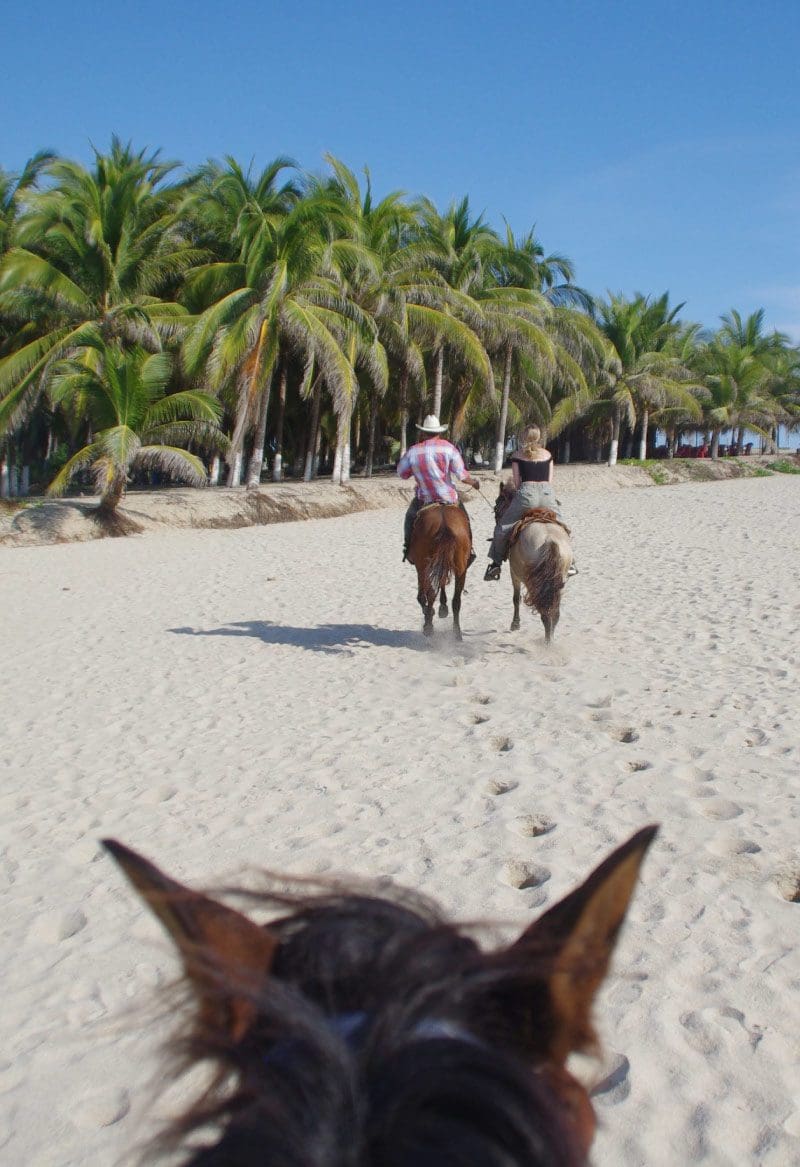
433, 463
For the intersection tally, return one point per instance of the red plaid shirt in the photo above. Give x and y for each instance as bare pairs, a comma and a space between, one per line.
432, 464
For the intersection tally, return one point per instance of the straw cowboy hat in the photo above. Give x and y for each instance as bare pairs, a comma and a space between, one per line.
431, 425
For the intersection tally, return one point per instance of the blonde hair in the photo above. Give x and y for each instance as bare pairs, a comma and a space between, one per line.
531, 441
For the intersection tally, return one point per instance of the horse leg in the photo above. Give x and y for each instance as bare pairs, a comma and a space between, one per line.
442, 603
460, 581
515, 621
426, 601
425, 598
549, 622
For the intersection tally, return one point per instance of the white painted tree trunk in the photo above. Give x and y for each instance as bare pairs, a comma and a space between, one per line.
567, 451
500, 444
346, 462
337, 464
612, 457
25, 482
437, 383
643, 439
235, 469
403, 414
4, 479
277, 467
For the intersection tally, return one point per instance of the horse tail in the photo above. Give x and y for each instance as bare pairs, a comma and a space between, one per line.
442, 557
544, 579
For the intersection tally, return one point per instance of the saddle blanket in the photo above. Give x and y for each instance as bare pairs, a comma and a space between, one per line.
535, 515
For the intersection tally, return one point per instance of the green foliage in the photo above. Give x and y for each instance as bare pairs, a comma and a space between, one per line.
784, 466
652, 466
134, 303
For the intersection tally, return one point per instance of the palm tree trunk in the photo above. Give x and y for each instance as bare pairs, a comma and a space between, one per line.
373, 425
313, 436
500, 444
112, 495
213, 474
616, 421
715, 444
257, 457
437, 381
277, 462
242, 413
643, 439
403, 412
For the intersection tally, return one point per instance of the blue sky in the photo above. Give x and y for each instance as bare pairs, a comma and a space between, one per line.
655, 144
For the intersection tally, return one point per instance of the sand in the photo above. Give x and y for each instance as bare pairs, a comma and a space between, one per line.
224, 700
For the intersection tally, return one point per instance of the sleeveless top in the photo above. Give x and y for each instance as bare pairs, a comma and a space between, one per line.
530, 471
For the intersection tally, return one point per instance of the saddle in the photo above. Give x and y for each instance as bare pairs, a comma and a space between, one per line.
535, 515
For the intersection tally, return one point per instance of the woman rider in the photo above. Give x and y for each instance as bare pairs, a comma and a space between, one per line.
532, 468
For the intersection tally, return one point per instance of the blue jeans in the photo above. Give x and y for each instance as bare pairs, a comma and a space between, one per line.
530, 494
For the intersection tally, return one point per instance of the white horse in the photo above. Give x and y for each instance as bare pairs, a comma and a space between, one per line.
540, 558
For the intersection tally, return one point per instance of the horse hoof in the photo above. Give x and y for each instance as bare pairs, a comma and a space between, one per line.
428, 630
443, 611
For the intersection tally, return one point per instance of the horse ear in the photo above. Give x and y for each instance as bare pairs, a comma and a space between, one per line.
225, 956
574, 941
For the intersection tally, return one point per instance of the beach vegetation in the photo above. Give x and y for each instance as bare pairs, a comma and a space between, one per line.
322, 321
136, 423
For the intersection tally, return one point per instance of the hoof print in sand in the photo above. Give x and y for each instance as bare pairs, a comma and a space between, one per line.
523, 875
614, 1085
500, 785
720, 809
640, 764
502, 744
532, 825
788, 884
100, 1109
625, 734
480, 718
54, 927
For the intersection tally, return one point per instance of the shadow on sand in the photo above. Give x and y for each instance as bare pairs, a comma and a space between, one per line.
330, 638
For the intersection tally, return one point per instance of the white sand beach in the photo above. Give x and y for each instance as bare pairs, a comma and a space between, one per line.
235, 699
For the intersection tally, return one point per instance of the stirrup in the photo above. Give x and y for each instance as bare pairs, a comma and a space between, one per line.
472, 557
493, 571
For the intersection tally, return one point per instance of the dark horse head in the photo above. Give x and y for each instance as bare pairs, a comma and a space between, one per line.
357, 1030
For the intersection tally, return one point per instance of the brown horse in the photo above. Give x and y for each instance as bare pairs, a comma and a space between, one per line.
357, 1030
539, 558
439, 549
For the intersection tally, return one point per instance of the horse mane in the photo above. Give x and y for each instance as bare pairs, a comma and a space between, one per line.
544, 579
435, 1078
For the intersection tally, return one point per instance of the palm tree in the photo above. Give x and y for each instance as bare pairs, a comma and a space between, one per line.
136, 422
271, 302
456, 246
649, 376
94, 250
532, 327
737, 383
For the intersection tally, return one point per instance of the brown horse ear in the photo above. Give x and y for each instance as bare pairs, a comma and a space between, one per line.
575, 939
226, 956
